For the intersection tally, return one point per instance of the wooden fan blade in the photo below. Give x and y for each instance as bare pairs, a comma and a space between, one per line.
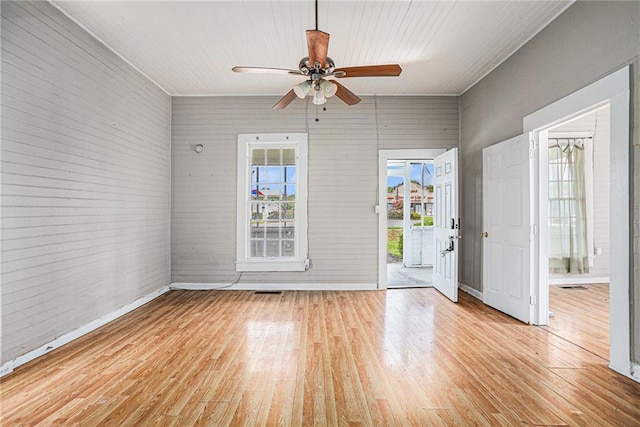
285, 100
265, 70
368, 71
346, 95
318, 45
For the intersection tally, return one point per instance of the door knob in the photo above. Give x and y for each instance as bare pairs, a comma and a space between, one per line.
484, 234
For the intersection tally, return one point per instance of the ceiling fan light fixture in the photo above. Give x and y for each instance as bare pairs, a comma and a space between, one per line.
328, 88
318, 97
302, 89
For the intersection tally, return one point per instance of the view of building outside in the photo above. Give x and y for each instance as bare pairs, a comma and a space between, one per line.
273, 202
421, 205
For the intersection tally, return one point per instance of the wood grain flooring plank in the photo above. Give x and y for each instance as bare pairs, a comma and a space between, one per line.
581, 316
402, 357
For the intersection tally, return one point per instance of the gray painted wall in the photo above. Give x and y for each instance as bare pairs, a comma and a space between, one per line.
587, 42
343, 174
85, 190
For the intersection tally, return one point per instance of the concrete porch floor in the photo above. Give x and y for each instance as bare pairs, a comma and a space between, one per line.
399, 276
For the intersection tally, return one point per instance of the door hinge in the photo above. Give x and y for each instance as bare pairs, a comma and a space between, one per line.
533, 300
534, 230
532, 148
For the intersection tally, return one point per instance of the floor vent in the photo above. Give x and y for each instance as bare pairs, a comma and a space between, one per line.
573, 287
268, 292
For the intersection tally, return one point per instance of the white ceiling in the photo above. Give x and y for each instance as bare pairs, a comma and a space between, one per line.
189, 47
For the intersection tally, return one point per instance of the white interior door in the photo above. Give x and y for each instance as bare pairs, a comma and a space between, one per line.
446, 224
508, 226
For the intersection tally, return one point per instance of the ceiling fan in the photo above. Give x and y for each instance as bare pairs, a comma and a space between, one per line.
318, 67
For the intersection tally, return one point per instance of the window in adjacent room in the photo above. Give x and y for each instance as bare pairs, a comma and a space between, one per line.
570, 203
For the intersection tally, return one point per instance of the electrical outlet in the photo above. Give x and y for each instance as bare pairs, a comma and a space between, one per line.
306, 264
598, 251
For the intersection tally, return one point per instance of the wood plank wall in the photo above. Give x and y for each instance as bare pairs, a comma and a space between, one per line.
343, 170
85, 179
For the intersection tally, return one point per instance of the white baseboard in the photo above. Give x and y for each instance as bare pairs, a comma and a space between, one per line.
275, 286
199, 286
632, 373
635, 371
9, 366
578, 280
471, 291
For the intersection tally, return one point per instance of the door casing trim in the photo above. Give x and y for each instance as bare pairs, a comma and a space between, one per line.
614, 90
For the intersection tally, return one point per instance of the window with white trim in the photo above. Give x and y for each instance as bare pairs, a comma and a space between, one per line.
272, 202
570, 202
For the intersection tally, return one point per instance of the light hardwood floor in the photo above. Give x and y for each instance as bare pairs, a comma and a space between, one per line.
581, 316
385, 358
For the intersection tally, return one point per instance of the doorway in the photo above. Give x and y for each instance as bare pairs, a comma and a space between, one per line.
410, 234
612, 90
408, 263
579, 241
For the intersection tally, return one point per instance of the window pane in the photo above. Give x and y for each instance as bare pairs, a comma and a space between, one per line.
273, 248
272, 230
280, 211
274, 175
290, 174
257, 248
274, 192
274, 157
258, 211
288, 157
288, 248
272, 185
273, 213
257, 230
258, 175
287, 231
288, 192
258, 156
257, 193
287, 210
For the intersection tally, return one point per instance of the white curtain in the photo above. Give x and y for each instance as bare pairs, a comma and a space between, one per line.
568, 251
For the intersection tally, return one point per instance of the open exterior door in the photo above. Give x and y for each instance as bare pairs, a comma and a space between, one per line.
446, 224
507, 250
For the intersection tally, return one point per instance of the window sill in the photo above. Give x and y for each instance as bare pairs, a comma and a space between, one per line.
271, 265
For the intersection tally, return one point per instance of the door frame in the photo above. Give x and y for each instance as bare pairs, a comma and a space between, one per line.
381, 208
406, 208
614, 90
